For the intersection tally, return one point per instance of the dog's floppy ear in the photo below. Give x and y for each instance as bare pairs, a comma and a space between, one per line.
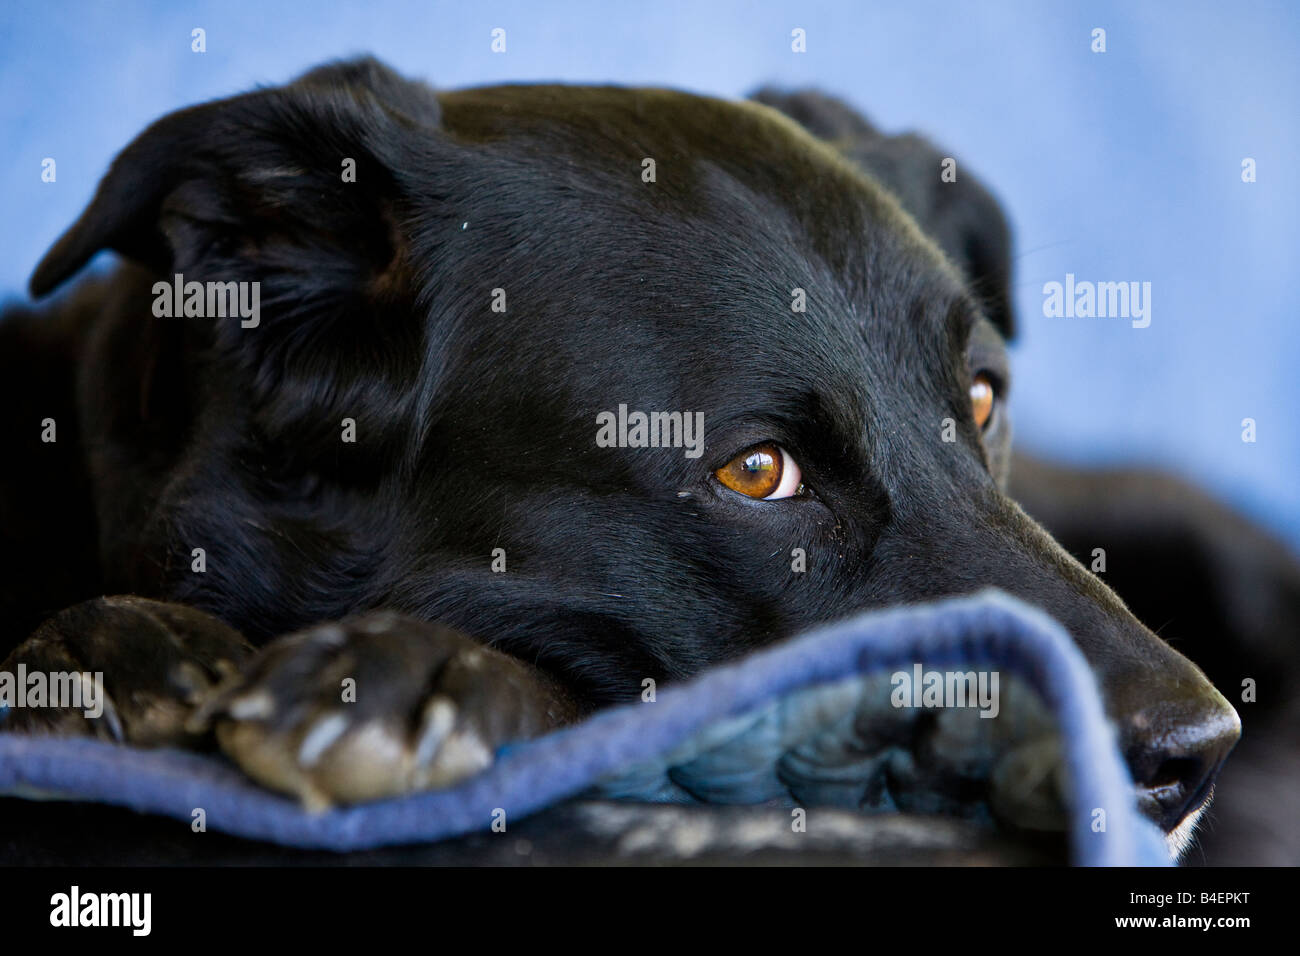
296, 198
211, 187
962, 217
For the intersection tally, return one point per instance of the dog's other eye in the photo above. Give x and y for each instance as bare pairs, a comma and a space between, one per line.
765, 471
982, 397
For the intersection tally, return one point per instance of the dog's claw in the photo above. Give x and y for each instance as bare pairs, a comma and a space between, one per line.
373, 707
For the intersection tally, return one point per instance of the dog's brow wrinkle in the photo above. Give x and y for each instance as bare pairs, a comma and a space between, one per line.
963, 313
275, 172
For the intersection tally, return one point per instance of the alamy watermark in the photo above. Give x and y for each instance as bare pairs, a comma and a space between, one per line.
921, 688
208, 300
133, 911
626, 429
1102, 300
76, 690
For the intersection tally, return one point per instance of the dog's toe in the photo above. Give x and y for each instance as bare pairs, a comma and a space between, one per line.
373, 707
141, 667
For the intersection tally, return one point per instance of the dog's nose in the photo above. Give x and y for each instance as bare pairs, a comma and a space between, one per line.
1174, 747
1175, 729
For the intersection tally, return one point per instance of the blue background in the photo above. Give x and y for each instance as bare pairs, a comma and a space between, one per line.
1117, 166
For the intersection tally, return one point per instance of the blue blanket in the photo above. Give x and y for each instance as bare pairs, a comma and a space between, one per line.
784, 725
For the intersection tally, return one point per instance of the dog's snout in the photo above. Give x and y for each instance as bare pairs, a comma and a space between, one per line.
1175, 729
1175, 745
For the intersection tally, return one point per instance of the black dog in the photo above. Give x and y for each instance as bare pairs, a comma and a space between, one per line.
501, 268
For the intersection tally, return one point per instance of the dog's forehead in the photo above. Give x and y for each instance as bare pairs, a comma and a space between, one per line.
660, 145
750, 244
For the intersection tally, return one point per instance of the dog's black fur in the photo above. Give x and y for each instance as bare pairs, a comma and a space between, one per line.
476, 428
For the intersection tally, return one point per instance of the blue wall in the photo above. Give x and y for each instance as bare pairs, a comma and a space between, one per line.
1117, 166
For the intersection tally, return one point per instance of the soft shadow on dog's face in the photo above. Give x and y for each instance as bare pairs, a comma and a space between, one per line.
500, 276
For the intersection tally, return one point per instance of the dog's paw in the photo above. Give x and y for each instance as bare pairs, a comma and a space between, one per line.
120, 668
375, 706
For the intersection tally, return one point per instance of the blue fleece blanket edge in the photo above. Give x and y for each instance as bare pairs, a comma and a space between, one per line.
991, 629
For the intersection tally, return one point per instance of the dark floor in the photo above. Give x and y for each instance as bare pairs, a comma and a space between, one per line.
580, 833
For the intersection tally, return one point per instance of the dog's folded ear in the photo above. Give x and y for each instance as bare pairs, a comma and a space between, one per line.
262, 176
961, 216
292, 204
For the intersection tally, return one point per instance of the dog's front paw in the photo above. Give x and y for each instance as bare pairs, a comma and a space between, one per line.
120, 668
375, 706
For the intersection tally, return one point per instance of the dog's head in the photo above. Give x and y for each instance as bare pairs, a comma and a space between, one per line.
528, 301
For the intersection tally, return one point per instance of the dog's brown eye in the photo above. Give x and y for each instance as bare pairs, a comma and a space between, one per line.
982, 395
765, 471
